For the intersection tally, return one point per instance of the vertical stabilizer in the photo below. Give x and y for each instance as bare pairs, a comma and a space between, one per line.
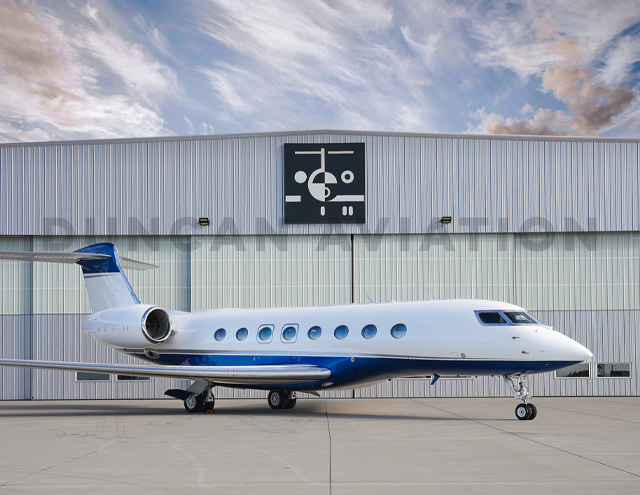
106, 282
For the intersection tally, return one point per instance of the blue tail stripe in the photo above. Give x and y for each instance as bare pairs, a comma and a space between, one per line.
106, 265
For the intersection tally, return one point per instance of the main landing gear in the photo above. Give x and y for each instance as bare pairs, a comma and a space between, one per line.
281, 400
517, 385
202, 402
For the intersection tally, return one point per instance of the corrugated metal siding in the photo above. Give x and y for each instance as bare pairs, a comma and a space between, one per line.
15, 279
162, 187
15, 342
415, 268
571, 272
261, 271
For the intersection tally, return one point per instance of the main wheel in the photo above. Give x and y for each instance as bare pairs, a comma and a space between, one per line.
194, 403
523, 412
277, 400
208, 406
291, 404
533, 411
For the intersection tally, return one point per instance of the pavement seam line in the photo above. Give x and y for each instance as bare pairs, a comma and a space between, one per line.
329, 431
531, 440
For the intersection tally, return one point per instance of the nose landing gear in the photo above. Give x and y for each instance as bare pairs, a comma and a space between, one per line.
517, 385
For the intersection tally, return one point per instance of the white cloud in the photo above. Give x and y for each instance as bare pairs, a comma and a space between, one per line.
49, 90
206, 128
531, 45
620, 60
298, 63
190, 127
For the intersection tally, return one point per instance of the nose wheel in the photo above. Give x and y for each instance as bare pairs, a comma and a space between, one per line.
526, 411
520, 391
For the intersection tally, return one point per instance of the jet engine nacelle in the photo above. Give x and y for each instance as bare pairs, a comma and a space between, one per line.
129, 327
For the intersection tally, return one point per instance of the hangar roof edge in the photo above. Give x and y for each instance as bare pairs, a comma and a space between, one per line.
509, 137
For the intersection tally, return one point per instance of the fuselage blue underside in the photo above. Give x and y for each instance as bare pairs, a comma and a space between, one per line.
359, 371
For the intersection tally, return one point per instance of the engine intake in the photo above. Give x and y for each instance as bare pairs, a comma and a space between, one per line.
156, 325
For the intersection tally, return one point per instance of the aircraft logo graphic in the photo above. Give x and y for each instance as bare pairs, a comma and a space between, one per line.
324, 183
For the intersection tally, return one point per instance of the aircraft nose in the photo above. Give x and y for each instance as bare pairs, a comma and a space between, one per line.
580, 352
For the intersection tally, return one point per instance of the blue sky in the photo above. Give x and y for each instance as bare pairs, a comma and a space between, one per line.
108, 69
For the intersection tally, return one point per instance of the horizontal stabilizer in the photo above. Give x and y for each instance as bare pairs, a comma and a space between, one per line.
71, 258
225, 375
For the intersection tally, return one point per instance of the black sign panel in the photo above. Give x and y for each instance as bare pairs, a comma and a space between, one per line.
324, 183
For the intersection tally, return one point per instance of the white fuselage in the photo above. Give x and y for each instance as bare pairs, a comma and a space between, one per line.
442, 337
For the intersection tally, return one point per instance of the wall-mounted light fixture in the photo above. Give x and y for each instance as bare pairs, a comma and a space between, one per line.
203, 221
445, 220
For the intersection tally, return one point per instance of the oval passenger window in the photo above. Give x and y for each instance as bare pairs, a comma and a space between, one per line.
369, 332
341, 332
264, 334
398, 331
314, 333
289, 333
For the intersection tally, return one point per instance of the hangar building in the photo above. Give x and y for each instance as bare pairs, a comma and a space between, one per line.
547, 223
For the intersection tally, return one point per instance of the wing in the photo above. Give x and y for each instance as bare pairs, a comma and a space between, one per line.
226, 375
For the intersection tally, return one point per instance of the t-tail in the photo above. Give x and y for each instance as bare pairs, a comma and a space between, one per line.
107, 285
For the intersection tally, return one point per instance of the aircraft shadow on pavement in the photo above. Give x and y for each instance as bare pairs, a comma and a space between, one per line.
310, 408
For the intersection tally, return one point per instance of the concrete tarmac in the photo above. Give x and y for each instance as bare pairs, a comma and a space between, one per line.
337, 446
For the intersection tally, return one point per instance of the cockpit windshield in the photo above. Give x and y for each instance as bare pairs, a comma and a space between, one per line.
505, 318
520, 318
491, 318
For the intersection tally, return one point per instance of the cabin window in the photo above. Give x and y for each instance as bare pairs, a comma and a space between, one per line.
491, 318
398, 331
369, 332
242, 334
220, 334
341, 332
265, 333
289, 333
314, 333
82, 376
576, 371
613, 370
520, 318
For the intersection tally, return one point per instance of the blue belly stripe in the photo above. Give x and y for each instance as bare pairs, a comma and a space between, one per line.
363, 370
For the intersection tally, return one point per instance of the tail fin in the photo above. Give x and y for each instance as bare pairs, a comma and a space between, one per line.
106, 283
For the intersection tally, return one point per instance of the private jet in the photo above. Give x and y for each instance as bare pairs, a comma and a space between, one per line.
306, 349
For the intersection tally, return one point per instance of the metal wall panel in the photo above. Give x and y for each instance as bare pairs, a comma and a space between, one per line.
578, 272
15, 342
60, 288
15, 278
262, 271
415, 268
160, 187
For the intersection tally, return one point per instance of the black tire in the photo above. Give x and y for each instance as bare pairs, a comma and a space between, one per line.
194, 404
523, 412
533, 412
291, 404
277, 400
208, 406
